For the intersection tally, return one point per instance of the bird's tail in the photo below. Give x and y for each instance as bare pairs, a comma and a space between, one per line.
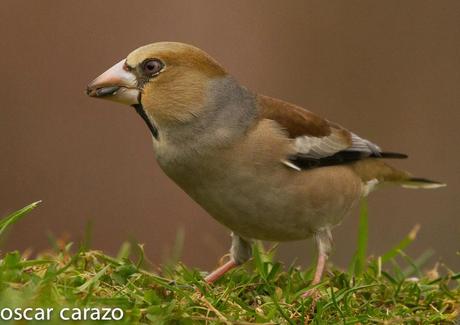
382, 173
404, 178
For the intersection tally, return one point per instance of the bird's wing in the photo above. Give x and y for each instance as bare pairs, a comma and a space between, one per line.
317, 141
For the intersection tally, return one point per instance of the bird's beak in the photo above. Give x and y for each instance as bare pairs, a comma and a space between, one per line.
117, 84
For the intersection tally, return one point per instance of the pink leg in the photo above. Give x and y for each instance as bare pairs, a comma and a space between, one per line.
318, 273
319, 268
240, 252
323, 240
220, 271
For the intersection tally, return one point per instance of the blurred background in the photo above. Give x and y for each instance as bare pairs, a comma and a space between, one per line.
388, 70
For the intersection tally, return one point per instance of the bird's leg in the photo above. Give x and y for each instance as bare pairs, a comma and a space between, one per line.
240, 252
323, 240
220, 271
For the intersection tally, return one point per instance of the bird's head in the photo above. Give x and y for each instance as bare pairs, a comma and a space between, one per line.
166, 82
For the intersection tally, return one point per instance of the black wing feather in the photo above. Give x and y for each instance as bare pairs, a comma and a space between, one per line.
340, 158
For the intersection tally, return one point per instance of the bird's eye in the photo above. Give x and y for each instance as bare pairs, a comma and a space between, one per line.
151, 67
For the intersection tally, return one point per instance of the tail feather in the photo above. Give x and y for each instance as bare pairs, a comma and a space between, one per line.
416, 182
371, 170
392, 155
405, 180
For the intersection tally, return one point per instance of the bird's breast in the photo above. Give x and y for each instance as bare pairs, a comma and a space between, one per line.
247, 188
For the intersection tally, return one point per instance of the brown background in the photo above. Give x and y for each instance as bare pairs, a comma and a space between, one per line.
389, 70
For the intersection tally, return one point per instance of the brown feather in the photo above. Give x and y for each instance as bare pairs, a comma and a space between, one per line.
294, 119
175, 54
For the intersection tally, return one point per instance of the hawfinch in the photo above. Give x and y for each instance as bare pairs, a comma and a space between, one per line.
265, 168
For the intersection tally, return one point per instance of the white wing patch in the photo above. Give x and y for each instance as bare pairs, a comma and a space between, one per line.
320, 147
314, 147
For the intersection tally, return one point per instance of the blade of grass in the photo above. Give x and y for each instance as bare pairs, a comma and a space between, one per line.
359, 260
174, 255
93, 280
257, 253
415, 265
124, 251
392, 253
15, 216
86, 243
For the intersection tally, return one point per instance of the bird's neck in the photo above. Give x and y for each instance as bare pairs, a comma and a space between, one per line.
229, 111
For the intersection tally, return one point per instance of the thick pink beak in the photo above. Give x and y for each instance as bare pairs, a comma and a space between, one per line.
117, 84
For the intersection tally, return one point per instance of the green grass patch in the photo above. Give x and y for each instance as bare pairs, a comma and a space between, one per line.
373, 290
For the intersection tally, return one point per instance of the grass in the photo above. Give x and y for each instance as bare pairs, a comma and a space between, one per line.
373, 291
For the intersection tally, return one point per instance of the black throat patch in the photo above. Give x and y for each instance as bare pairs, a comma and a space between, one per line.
140, 110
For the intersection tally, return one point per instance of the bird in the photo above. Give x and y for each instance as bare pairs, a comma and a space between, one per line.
264, 168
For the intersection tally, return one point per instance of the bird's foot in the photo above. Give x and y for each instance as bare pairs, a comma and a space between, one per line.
312, 293
315, 295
